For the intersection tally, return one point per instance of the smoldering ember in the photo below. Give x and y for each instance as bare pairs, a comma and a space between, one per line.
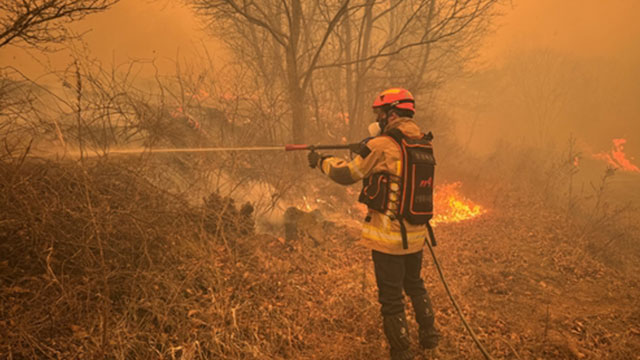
304, 179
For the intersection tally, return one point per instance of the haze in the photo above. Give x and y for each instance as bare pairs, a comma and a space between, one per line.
598, 41
148, 208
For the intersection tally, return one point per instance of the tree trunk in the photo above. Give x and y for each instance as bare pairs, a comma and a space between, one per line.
419, 79
298, 122
361, 76
349, 77
296, 93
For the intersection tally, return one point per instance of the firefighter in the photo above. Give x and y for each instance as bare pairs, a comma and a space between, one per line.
396, 245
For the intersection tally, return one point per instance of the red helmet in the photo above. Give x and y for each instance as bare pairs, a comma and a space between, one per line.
398, 98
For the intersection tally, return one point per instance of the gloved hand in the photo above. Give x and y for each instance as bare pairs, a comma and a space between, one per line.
315, 159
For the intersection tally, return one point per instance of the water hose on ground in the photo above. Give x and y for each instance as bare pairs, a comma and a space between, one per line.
484, 352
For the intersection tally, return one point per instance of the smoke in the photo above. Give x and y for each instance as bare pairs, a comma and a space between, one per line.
132, 29
554, 70
550, 70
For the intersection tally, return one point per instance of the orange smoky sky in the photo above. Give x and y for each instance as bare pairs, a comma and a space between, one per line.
157, 29
132, 29
602, 40
607, 31
145, 29
581, 27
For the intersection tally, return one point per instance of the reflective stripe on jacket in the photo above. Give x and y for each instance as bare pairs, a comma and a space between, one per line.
380, 233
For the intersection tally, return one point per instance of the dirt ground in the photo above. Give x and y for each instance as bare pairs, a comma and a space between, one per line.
526, 287
532, 293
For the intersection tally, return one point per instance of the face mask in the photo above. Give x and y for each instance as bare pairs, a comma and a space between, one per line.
374, 129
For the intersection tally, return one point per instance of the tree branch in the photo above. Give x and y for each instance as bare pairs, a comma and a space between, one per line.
316, 56
443, 24
278, 36
37, 22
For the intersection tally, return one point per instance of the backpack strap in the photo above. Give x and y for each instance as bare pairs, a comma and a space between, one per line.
403, 232
396, 135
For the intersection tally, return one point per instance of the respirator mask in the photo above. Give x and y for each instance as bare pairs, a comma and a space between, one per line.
375, 128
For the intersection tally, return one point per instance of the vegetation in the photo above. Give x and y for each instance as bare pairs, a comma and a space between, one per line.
186, 256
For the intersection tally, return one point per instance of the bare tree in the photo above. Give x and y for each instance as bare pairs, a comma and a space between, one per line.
41, 22
540, 84
299, 47
417, 44
292, 31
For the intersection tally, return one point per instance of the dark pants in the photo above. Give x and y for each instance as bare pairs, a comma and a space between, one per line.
394, 273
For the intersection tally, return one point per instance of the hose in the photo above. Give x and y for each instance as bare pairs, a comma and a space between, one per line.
484, 352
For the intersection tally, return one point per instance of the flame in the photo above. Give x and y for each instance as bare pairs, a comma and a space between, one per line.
230, 96
200, 95
616, 158
307, 206
344, 117
179, 113
451, 207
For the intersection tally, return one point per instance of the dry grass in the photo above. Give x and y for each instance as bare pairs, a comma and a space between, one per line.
96, 262
99, 262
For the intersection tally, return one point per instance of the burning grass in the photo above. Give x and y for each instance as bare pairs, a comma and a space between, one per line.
450, 206
617, 158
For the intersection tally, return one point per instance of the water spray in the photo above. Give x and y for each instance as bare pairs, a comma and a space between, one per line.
193, 150
288, 147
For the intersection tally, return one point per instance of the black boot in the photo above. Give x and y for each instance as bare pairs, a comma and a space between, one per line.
397, 332
428, 333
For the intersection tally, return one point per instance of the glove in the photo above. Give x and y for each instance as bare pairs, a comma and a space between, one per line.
315, 159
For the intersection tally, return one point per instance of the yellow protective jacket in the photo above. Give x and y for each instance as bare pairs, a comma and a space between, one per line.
380, 233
